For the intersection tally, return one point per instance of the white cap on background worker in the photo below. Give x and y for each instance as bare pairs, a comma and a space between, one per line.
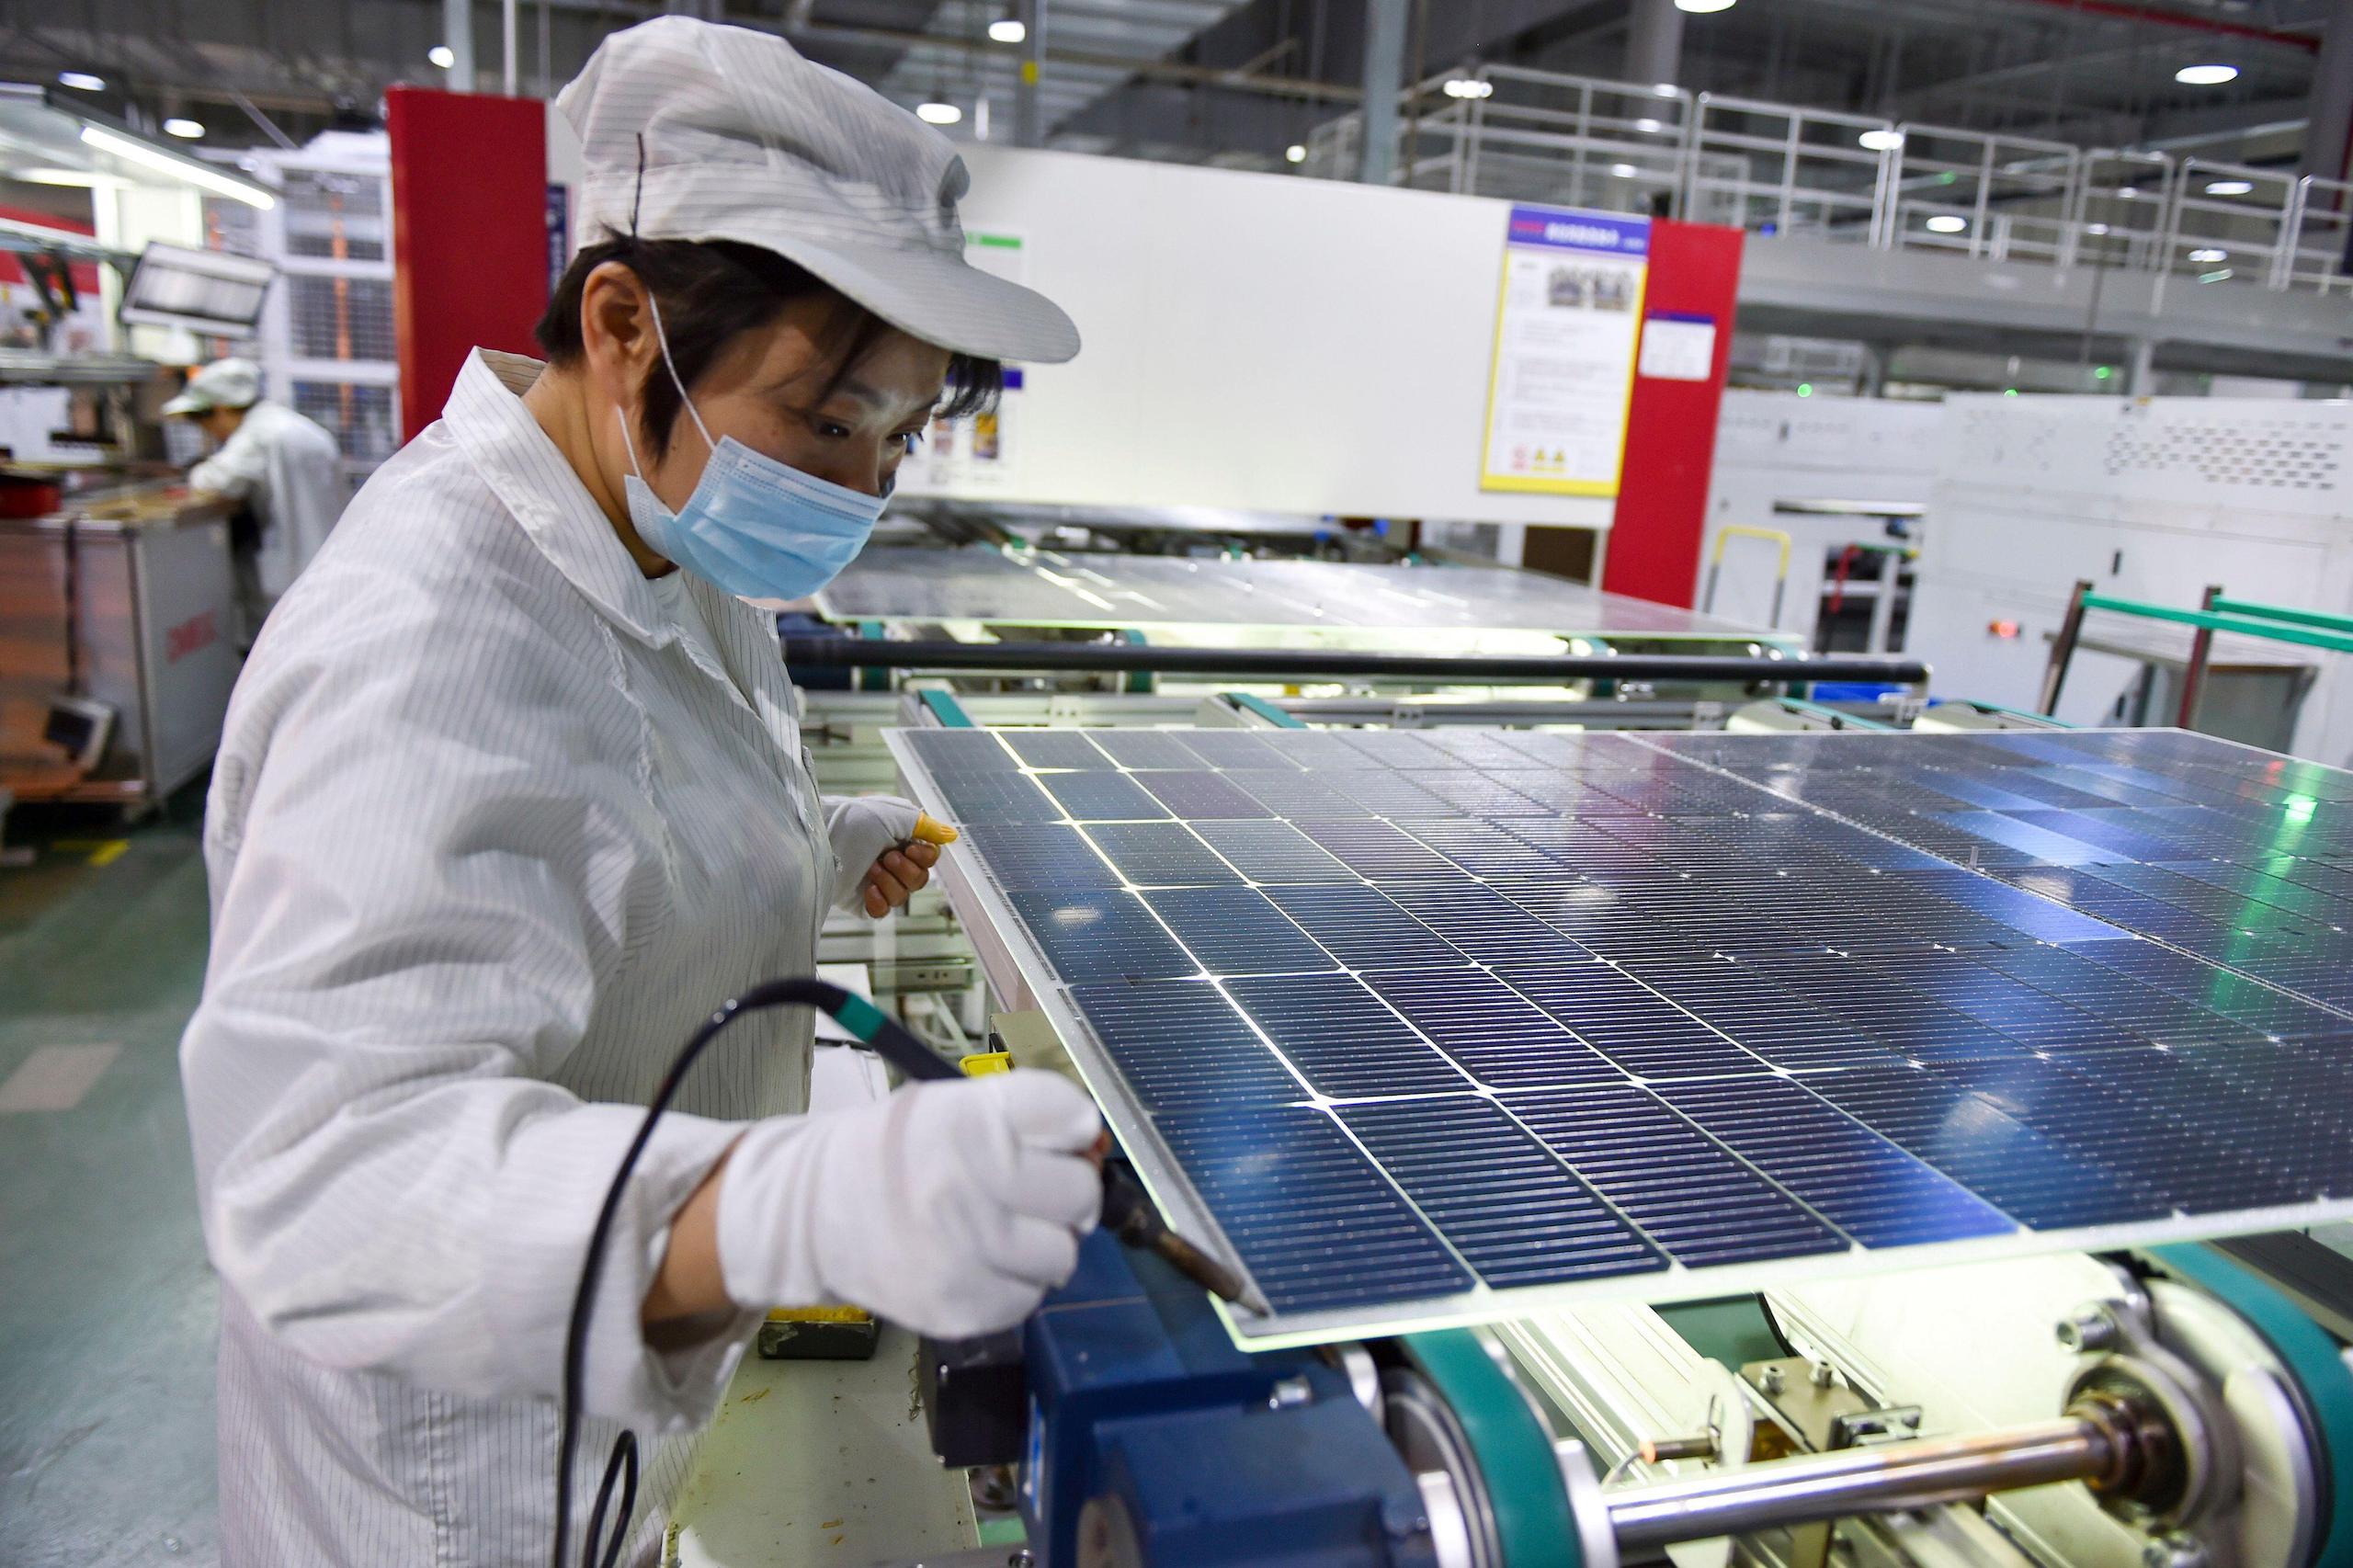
224, 383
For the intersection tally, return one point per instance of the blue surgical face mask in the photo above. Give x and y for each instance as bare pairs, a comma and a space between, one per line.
756, 528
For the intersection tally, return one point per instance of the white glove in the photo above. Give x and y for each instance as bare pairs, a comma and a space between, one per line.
862, 827
949, 1209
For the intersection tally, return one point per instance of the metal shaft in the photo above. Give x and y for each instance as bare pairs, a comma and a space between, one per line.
804, 650
1875, 1479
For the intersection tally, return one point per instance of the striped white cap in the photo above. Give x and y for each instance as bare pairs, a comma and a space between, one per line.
744, 140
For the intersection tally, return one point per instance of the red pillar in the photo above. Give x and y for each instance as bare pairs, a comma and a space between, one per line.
1671, 425
469, 236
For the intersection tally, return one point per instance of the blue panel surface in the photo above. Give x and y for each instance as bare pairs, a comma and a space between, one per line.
1341, 1038
1161, 854
1236, 931
1202, 797
1145, 748
1689, 1197
1511, 1210
1493, 1033
1102, 796
1040, 857
1101, 935
1272, 852
1316, 1223
1363, 929
1182, 1046
1567, 1007
1054, 748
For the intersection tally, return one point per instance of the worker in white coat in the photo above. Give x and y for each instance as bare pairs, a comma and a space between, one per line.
285, 470
512, 796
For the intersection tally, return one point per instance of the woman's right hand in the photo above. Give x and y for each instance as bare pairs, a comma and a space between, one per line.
950, 1207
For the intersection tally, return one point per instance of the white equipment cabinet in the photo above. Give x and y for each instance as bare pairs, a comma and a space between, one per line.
2149, 499
325, 340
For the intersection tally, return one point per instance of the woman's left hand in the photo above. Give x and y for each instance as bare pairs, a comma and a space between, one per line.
895, 875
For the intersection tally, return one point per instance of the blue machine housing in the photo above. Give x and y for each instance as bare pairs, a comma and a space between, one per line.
1138, 1396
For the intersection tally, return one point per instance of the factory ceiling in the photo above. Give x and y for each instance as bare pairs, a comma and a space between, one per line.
1236, 81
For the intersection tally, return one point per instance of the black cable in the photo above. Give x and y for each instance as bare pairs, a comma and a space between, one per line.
622, 1465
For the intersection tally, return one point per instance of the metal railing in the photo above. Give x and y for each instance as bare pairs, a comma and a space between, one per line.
1524, 135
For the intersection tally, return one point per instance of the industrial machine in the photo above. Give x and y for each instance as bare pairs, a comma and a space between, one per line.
2165, 1408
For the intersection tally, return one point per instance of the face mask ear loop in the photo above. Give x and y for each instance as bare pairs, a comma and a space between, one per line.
620, 417
668, 364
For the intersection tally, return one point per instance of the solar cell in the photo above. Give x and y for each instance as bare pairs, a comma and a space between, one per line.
1511, 1210
1315, 1222
1341, 1039
1102, 796
1161, 854
1686, 1193
1145, 749
1053, 748
1202, 797
1397, 1015
1362, 929
1236, 931
1182, 1045
1273, 852
1040, 856
986, 797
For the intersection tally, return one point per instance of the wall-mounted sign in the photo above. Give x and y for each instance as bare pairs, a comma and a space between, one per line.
1566, 322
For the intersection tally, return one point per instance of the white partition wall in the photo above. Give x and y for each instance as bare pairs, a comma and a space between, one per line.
1258, 342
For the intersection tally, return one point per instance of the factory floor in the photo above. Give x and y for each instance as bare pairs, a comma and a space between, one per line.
108, 1309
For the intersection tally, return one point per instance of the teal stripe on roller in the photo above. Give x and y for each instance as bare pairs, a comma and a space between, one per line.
2313, 1359
1534, 1524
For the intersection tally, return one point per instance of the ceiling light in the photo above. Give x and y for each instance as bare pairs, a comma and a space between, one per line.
1295, 154
1703, 7
1948, 223
2229, 186
1882, 140
1009, 30
172, 163
1623, 171
2214, 276
2210, 254
2094, 228
186, 129
936, 113
82, 81
2128, 193
1469, 88
2206, 75
442, 55
1652, 126
1666, 89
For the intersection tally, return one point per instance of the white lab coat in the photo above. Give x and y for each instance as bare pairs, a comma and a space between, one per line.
290, 471
487, 839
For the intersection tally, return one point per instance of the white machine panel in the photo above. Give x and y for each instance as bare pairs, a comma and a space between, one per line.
2151, 499
1777, 447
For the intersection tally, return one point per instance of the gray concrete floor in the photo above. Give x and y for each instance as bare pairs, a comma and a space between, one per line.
108, 1308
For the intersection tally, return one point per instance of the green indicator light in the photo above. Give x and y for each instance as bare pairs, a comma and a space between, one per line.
1806, 389
2101, 372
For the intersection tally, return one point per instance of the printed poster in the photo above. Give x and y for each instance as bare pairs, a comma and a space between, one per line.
975, 457
1567, 318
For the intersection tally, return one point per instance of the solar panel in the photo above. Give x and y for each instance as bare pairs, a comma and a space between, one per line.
1421, 1026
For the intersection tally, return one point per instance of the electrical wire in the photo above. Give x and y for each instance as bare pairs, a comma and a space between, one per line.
622, 1465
